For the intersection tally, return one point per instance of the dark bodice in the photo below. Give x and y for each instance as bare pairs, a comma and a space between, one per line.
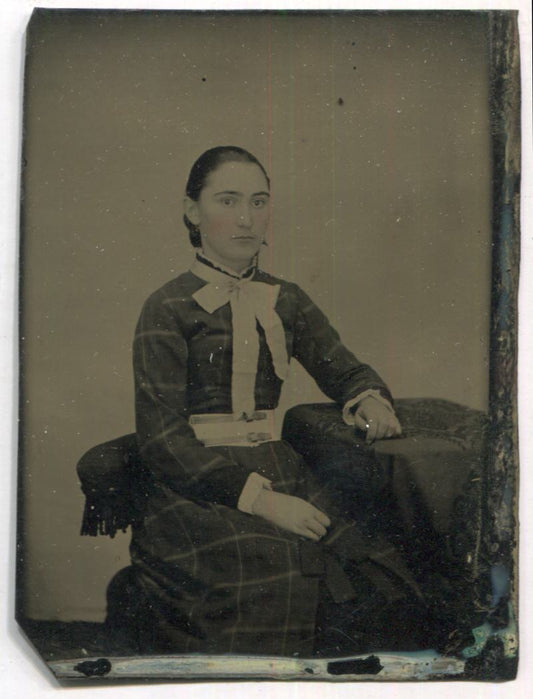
209, 362
183, 366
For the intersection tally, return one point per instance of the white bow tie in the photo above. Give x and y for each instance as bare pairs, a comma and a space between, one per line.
250, 302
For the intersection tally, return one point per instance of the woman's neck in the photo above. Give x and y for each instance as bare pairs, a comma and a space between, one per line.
242, 271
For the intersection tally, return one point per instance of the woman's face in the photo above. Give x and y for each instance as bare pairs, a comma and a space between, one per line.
232, 213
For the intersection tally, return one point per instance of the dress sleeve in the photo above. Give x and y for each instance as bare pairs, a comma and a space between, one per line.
317, 346
167, 442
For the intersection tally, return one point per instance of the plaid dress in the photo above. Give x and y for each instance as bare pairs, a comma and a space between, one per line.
216, 579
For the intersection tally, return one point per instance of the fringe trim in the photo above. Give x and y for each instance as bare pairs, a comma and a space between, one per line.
107, 514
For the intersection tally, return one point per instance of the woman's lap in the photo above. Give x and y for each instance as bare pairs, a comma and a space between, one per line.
219, 580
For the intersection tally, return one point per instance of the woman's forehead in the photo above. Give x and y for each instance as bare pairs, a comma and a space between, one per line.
237, 176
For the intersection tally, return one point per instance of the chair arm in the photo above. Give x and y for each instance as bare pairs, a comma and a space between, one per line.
115, 485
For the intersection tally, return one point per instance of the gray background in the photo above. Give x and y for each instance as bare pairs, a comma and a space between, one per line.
374, 129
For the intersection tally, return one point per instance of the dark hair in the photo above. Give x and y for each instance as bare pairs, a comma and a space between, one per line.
203, 167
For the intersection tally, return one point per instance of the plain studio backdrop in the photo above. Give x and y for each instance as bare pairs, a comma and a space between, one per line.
375, 131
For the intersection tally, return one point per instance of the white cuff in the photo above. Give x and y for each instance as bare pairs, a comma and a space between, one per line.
349, 417
249, 494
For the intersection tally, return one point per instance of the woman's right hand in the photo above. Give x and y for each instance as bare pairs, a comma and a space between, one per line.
291, 513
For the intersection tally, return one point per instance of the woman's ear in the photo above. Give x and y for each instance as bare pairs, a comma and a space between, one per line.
190, 209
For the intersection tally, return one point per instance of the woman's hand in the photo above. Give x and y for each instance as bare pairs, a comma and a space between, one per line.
291, 513
376, 420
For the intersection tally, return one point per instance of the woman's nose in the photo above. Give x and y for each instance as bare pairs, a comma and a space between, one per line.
244, 216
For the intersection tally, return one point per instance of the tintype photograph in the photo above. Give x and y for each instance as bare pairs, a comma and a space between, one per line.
268, 282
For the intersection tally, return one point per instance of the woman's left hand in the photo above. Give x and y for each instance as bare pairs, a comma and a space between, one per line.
376, 420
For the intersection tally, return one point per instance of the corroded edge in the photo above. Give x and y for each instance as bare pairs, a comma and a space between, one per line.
502, 460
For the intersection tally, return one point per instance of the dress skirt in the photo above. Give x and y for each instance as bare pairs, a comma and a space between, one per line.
217, 580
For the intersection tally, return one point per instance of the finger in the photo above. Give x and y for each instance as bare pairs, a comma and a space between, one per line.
371, 432
360, 422
322, 518
316, 527
394, 428
308, 533
381, 430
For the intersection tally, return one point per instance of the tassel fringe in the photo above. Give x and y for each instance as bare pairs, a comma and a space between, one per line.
107, 514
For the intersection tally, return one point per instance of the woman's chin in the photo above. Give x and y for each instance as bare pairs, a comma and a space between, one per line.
244, 251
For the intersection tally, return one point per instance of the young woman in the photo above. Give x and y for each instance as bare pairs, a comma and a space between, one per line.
241, 551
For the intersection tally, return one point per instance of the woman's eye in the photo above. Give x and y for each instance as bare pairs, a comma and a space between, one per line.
258, 203
227, 201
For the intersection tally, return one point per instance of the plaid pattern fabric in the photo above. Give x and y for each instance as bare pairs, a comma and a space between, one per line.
216, 579
222, 581
182, 366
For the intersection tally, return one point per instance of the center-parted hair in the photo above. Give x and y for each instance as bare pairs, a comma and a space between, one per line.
207, 163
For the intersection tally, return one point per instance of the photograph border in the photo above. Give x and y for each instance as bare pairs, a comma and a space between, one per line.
501, 513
